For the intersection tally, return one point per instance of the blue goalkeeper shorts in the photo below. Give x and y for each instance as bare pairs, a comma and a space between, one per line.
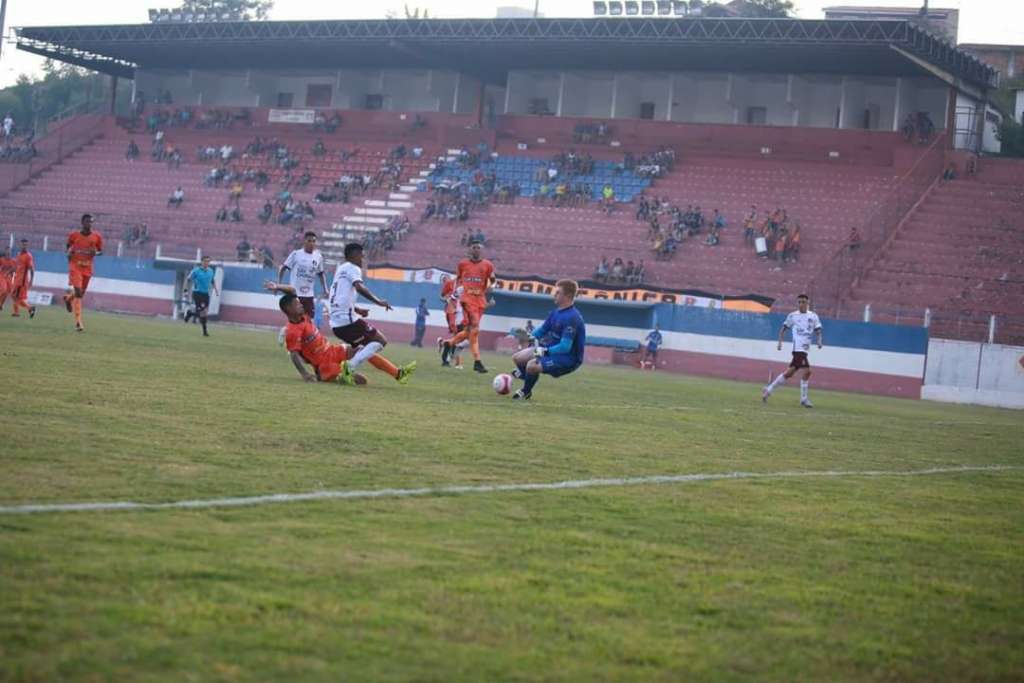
558, 364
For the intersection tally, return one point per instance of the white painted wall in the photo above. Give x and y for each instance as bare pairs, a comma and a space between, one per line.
527, 85
969, 372
762, 90
587, 94
816, 99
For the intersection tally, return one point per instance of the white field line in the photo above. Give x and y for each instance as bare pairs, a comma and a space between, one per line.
486, 488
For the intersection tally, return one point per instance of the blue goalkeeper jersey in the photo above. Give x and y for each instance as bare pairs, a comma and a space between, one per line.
563, 333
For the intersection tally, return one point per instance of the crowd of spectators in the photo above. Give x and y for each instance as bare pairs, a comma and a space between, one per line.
18, 150
585, 133
248, 253
619, 272
774, 236
670, 226
652, 165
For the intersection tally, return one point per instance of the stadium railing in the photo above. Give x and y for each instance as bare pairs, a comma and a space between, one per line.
833, 282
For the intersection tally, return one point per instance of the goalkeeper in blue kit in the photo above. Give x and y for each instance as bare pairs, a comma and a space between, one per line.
559, 343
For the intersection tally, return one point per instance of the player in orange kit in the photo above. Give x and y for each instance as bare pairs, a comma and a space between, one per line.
24, 275
475, 276
450, 295
83, 246
6, 277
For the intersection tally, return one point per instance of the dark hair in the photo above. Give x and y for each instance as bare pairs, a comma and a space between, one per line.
86, 215
476, 241
803, 296
285, 301
352, 248
309, 233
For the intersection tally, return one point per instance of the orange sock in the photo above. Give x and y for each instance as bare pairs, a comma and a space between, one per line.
474, 343
76, 306
384, 365
460, 337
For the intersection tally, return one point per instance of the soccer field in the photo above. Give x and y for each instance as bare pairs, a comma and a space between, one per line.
880, 576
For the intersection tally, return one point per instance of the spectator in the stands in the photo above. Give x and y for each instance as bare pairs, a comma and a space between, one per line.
242, 249
479, 237
602, 271
749, 229
267, 256
177, 198
854, 239
319, 148
793, 245
638, 273
236, 214
236, 191
8, 124
618, 268
222, 214
133, 151
226, 151
266, 212
608, 198
627, 272
949, 173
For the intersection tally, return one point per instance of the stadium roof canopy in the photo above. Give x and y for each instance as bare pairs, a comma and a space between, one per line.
489, 48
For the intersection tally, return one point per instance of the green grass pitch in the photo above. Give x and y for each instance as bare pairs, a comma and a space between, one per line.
818, 579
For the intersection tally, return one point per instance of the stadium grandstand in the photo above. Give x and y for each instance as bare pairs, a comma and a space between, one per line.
727, 156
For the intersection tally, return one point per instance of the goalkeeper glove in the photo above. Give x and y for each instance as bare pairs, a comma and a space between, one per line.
539, 351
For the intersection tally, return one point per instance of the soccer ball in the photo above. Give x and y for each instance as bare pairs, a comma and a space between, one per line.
502, 384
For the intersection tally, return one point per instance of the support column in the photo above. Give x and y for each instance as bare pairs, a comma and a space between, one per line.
897, 113
481, 94
561, 92
455, 98
113, 94
615, 95
508, 90
951, 131
671, 96
842, 104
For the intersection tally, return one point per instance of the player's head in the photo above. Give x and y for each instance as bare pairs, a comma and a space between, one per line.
476, 248
206, 262
445, 278
24, 244
309, 241
86, 222
802, 302
291, 307
565, 293
354, 253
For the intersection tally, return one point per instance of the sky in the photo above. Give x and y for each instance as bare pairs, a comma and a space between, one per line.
981, 21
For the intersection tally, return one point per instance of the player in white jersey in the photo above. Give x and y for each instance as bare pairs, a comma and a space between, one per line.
348, 320
306, 266
805, 325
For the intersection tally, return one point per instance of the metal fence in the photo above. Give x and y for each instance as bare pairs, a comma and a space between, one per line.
834, 280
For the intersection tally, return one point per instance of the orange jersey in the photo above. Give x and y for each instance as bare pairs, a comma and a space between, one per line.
475, 278
305, 338
7, 266
82, 249
23, 262
447, 292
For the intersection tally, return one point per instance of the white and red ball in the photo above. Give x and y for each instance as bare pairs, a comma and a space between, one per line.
502, 384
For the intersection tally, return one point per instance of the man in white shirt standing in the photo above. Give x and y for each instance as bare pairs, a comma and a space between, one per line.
306, 267
805, 325
348, 320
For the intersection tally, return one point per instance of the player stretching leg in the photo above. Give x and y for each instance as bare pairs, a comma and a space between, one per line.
559, 343
475, 276
355, 331
450, 296
805, 324
24, 276
83, 246
201, 278
306, 344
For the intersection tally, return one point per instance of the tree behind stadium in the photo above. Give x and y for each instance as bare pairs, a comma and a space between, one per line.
232, 10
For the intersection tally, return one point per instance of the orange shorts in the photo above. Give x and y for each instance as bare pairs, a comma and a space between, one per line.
5, 284
472, 312
79, 278
330, 363
19, 290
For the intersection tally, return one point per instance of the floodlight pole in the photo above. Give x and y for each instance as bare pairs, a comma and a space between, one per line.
3, 16
536, 7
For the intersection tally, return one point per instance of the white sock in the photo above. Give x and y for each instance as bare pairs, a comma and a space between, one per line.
804, 383
462, 344
364, 354
776, 382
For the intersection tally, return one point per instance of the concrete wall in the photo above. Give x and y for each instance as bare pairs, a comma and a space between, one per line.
970, 372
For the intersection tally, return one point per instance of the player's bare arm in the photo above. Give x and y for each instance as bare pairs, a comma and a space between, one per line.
300, 365
821, 337
365, 292
782, 335
272, 286
281, 271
